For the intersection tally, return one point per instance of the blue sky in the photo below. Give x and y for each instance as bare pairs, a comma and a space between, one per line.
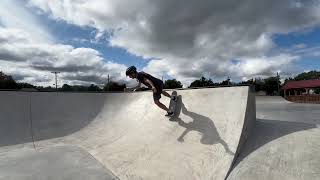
310, 38
38, 36
66, 33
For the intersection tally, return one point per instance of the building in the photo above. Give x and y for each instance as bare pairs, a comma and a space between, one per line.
302, 91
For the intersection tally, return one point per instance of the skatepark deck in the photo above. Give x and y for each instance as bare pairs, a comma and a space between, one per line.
128, 134
125, 136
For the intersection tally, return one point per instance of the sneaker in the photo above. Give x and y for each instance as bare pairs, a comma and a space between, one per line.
169, 114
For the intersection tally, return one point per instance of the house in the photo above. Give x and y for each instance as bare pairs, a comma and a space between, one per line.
302, 91
300, 87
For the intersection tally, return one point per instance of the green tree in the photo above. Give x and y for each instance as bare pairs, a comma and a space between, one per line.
7, 82
202, 82
225, 82
172, 84
248, 82
25, 85
114, 86
80, 88
93, 87
271, 85
308, 75
259, 84
48, 88
66, 87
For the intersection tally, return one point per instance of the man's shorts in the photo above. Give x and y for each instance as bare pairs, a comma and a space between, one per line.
157, 95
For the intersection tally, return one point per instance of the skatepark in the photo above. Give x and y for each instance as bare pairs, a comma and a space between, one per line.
216, 133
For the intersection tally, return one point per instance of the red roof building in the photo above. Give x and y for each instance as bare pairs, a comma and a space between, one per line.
315, 83
298, 87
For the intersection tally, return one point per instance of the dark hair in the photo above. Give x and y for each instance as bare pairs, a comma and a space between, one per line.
131, 69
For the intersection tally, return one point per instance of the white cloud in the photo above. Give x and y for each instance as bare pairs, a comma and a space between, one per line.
313, 51
193, 38
265, 66
29, 52
31, 61
14, 14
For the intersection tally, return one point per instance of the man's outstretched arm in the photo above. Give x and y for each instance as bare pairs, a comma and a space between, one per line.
133, 88
137, 87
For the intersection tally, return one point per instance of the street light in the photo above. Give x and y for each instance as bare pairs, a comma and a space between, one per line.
56, 77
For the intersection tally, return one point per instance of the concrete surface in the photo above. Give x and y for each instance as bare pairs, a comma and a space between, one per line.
61, 163
279, 109
126, 133
110, 136
285, 143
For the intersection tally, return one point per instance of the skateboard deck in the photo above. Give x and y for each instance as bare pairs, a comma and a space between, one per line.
172, 105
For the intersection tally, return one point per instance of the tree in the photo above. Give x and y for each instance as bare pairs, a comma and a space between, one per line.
248, 82
271, 85
7, 82
172, 84
48, 88
258, 84
308, 75
80, 88
114, 86
93, 87
25, 85
202, 82
225, 82
66, 87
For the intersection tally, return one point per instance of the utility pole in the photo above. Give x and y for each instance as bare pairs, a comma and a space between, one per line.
108, 85
56, 77
278, 79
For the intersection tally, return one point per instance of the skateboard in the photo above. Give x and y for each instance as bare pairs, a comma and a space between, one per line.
173, 103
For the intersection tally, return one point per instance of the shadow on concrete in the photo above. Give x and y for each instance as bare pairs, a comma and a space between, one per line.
266, 131
66, 114
202, 124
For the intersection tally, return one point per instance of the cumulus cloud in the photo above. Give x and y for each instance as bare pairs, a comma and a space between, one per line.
29, 52
14, 14
31, 61
189, 38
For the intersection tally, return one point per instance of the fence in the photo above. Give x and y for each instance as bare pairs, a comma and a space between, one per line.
305, 99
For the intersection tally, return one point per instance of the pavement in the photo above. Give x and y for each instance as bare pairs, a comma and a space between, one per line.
214, 135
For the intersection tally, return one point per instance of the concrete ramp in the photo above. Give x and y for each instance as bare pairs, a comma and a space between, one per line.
285, 143
129, 135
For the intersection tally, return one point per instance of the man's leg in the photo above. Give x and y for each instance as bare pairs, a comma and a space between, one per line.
166, 94
160, 105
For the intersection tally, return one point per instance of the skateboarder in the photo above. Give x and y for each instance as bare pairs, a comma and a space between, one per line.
151, 82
